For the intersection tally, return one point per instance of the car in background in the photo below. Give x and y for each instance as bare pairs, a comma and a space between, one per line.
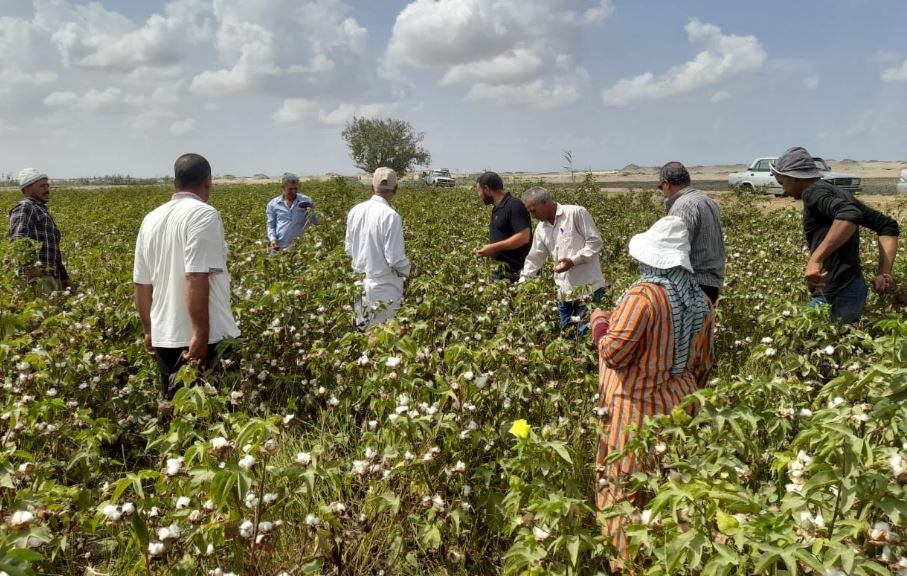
759, 178
902, 184
439, 177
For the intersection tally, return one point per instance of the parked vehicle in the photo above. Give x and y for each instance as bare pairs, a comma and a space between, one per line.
902, 185
759, 178
439, 177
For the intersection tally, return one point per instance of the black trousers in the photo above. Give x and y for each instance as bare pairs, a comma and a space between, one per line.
170, 360
711, 292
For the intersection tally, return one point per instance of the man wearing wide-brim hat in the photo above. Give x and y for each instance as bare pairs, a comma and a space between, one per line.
831, 221
31, 222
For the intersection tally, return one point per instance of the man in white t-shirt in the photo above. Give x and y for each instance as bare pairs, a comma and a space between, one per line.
374, 241
182, 288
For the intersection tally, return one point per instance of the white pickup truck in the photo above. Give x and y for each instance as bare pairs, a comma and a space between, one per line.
758, 178
439, 177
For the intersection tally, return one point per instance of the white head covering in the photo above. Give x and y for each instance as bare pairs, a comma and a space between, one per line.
384, 179
28, 176
665, 245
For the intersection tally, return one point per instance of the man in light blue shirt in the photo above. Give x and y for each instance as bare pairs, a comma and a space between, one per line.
289, 214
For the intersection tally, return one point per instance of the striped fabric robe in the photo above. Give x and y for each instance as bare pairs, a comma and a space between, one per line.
635, 359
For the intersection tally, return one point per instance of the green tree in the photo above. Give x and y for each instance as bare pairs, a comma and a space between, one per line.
375, 142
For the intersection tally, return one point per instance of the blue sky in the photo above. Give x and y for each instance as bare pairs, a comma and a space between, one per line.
90, 88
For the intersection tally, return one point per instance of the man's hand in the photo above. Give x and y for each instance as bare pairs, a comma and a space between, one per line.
148, 347
598, 315
486, 251
198, 349
563, 265
883, 284
815, 275
274, 245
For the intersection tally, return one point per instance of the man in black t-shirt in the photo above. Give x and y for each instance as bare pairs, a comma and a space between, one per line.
831, 221
509, 231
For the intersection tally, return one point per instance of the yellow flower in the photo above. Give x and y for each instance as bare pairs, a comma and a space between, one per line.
520, 429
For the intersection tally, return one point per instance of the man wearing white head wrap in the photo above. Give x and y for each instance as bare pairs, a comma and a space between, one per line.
31, 223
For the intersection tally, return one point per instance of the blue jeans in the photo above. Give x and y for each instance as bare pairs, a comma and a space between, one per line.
848, 304
571, 308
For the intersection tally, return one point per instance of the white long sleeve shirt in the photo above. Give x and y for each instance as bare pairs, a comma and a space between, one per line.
573, 235
374, 240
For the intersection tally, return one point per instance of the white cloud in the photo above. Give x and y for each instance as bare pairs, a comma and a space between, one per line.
92, 100
811, 82
20, 64
725, 56
182, 127
90, 36
504, 51
276, 45
720, 96
895, 74
304, 111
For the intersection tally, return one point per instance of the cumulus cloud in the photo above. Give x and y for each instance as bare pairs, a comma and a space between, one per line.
504, 51
895, 74
725, 56
90, 36
277, 45
21, 64
304, 111
182, 127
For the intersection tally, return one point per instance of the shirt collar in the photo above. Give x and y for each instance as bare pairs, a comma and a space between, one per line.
670, 201
183, 195
379, 199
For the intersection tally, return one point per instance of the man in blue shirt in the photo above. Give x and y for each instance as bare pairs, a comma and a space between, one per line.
289, 214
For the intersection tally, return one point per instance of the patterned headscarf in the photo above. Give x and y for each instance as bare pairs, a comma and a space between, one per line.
688, 307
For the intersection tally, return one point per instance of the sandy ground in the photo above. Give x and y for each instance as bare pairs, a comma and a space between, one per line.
633, 174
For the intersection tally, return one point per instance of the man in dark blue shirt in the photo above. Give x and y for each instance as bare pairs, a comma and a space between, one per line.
509, 231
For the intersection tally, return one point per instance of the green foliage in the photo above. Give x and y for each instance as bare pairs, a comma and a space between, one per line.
332, 451
377, 142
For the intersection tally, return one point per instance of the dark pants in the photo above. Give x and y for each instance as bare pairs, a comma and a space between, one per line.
170, 360
849, 303
711, 292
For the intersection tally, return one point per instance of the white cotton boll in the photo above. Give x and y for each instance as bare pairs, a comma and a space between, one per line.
251, 500
897, 464
828, 350
171, 532
155, 548
127, 508
304, 458
220, 443
246, 529
182, 502
111, 512
806, 413
246, 461
646, 517
269, 498
264, 526
312, 520
540, 532
370, 453
767, 340
769, 352
21, 519
174, 465
392, 362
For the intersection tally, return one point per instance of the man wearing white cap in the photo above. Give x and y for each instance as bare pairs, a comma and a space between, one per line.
654, 349
831, 221
30, 220
374, 242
